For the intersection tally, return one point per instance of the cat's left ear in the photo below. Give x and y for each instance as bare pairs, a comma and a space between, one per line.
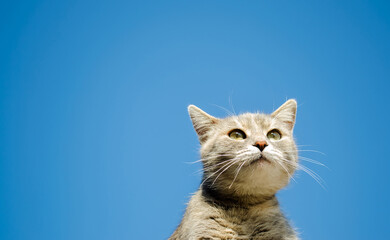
202, 122
287, 113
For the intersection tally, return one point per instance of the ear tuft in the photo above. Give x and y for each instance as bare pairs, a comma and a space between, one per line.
202, 122
287, 113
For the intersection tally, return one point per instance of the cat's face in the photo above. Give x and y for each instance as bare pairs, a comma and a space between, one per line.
250, 153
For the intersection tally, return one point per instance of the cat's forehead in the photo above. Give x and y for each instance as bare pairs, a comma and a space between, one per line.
249, 120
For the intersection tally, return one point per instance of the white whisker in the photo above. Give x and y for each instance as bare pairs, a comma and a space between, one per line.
224, 170
208, 158
238, 158
217, 171
313, 174
231, 105
286, 170
235, 176
226, 110
312, 161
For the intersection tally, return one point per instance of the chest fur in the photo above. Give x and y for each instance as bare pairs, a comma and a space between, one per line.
244, 227
206, 221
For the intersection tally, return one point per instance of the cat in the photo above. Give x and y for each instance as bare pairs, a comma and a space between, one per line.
246, 160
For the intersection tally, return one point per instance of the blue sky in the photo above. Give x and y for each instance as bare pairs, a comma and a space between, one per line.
94, 131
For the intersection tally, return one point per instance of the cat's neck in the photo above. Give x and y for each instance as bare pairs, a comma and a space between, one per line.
227, 199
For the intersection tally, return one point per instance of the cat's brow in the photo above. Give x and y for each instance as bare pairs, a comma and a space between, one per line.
237, 122
254, 124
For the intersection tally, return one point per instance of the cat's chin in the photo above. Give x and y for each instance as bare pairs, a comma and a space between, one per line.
259, 160
262, 160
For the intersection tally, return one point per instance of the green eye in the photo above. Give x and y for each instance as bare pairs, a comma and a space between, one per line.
274, 135
237, 134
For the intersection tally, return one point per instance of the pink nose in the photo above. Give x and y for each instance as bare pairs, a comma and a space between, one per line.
261, 145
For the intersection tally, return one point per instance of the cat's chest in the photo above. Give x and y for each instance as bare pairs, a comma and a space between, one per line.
241, 228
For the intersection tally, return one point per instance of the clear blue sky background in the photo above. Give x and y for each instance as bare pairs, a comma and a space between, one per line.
94, 132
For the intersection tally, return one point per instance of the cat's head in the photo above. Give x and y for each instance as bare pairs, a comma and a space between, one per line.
248, 154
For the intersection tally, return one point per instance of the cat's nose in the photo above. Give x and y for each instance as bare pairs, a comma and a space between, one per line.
261, 145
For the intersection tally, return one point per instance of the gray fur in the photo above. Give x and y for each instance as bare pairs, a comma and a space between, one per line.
236, 199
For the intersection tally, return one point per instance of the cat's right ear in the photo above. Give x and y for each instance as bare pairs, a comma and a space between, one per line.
202, 122
287, 113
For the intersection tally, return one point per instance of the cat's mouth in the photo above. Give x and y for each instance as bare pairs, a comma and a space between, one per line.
261, 159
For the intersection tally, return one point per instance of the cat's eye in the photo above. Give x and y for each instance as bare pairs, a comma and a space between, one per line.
237, 134
274, 135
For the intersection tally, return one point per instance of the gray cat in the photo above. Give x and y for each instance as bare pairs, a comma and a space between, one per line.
246, 160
